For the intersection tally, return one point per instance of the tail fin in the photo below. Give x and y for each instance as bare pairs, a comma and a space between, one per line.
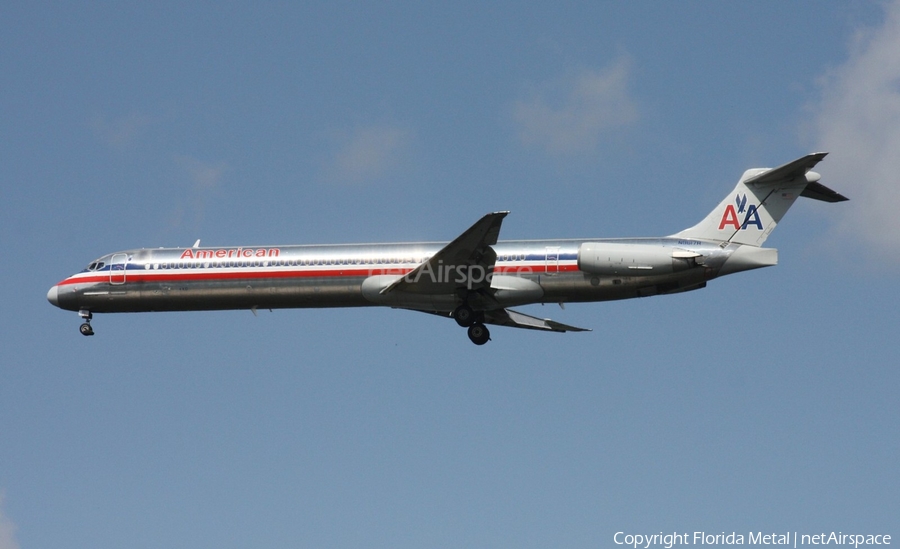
761, 198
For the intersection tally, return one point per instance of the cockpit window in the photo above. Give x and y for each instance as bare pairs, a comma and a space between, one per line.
96, 266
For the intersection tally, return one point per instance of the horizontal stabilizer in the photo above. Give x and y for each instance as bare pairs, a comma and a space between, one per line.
788, 172
818, 191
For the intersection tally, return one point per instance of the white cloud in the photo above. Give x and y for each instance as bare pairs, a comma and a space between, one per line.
7, 530
570, 115
368, 152
858, 121
204, 179
203, 174
120, 131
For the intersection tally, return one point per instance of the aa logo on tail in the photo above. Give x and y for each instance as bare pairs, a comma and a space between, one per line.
750, 213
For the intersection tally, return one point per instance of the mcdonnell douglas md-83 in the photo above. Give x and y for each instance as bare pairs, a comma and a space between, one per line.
474, 279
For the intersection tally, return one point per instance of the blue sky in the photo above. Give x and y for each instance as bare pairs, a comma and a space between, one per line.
767, 401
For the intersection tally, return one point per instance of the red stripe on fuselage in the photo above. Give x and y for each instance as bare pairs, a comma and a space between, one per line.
213, 274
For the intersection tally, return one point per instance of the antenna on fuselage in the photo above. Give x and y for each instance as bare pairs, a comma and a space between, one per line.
196, 244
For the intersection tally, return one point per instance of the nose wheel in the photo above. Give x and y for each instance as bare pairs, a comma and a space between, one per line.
86, 329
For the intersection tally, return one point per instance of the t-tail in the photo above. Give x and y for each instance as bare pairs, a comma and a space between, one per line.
761, 198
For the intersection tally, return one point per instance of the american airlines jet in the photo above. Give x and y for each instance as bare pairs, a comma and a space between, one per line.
474, 279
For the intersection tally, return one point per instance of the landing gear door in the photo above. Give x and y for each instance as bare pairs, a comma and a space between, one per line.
551, 266
117, 269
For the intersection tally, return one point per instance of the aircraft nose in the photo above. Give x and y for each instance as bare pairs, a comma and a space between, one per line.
53, 296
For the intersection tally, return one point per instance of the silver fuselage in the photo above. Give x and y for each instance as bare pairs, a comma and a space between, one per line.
268, 277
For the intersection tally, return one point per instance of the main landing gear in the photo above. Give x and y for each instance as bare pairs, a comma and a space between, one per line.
466, 317
479, 334
86, 328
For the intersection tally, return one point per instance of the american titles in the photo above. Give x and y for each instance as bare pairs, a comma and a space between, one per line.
193, 253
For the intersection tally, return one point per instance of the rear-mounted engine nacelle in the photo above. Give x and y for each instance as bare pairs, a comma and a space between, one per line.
620, 259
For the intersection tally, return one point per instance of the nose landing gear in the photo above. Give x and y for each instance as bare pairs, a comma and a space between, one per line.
86, 328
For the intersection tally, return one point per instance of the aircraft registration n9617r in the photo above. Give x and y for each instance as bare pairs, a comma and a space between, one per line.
474, 279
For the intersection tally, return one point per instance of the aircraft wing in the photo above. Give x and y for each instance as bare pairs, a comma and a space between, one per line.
451, 268
514, 319
471, 250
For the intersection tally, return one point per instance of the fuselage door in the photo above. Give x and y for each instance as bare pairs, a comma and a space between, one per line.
551, 265
117, 268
